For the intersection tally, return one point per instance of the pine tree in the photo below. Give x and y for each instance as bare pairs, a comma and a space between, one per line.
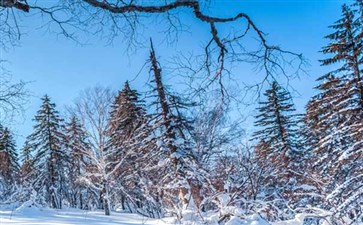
128, 122
50, 157
9, 166
278, 147
26, 152
27, 171
333, 145
129, 145
76, 145
322, 136
323, 120
278, 132
334, 116
346, 49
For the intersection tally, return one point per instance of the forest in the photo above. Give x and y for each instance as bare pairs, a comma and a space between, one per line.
166, 153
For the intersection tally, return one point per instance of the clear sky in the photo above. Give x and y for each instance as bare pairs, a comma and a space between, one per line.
61, 68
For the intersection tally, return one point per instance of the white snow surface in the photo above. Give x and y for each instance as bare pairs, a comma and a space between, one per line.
28, 214
40, 216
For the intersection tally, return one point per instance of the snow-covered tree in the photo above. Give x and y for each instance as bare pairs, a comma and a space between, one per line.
50, 159
76, 144
92, 108
334, 117
333, 145
129, 148
243, 183
345, 51
180, 167
9, 166
28, 171
277, 132
278, 147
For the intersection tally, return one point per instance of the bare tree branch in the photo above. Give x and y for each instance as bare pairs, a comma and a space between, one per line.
115, 17
15, 4
13, 96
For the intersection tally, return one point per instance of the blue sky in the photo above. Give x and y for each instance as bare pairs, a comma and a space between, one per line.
61, 68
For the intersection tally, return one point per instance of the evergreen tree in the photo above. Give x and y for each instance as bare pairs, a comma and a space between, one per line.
26, 152
334, 116
9, 166
27, 171
278, 132
76, 145
323, 120
50, 157
129, 145
345, 50
334, 147
128, 122
278, 148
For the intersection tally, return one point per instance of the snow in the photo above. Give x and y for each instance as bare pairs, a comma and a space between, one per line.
28, 214
299, 220
254, 220
31, 215
39, 216
235, 221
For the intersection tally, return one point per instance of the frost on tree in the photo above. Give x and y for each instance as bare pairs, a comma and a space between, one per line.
278, 143
50, 158
9, 165
334, 117
130, 150
76, 143
183, 176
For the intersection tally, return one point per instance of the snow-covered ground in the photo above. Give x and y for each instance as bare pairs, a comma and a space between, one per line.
36, 216
45, 216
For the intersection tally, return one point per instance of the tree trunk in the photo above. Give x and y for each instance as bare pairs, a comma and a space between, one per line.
106, 206
105, 199
123, 202
80, 201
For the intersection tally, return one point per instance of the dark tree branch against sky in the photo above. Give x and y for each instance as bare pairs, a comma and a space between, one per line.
15, 4
71, 16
